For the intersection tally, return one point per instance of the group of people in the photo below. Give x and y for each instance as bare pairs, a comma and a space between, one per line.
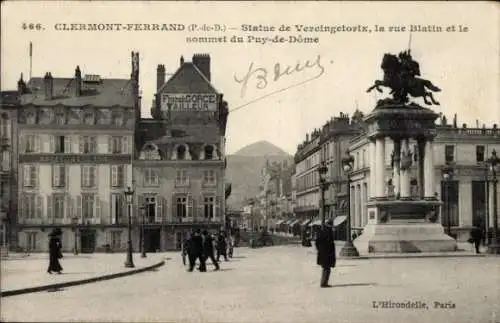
201, 246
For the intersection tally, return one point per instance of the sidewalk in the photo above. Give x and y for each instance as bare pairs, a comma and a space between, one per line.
21, 273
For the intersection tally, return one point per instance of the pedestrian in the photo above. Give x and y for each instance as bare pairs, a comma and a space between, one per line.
476, 235
208, 249
221, 246
231, 246
55, 251
184, 250
325, 244
195, 251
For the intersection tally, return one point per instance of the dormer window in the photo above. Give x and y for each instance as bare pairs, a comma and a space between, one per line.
181, 152
209, 152
88, 118
60, 118
117, 120
31, 118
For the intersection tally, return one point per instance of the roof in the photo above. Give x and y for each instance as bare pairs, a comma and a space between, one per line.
106, 93
9, 98
188, 79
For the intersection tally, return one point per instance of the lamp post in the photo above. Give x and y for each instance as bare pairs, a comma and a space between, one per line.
494, 162
250, 203
322, 170
349, 250
75, 228
447, 175
129, 195
143, 213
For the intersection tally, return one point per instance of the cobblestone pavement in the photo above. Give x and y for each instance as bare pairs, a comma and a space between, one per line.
31, 271
280, 284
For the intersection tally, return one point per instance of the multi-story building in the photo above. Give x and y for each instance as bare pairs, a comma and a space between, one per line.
8, 168
75, 154
466, 197
179, 171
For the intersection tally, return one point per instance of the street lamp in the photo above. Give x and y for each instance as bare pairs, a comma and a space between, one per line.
251, 203
75, 228
349, 250
322, 170
129, 195
143, 213
494, 162
447, 175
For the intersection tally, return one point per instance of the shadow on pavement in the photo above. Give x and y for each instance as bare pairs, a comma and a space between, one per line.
238, 257
354, 285
55, 290
226, 269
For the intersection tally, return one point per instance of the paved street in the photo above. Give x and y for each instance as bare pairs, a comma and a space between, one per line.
279, 284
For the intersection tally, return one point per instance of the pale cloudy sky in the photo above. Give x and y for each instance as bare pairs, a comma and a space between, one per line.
465, 65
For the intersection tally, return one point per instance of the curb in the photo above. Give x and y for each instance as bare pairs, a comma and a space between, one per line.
412, 256
79, 282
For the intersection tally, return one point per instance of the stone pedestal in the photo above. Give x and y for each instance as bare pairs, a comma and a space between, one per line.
403, 223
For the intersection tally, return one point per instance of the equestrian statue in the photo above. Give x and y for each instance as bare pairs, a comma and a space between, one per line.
401, 76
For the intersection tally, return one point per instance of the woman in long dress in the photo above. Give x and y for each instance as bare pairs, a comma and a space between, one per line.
55, 251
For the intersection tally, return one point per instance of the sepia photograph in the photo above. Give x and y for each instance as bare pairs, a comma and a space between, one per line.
237, 161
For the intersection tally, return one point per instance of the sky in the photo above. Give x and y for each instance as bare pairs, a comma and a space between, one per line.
306, 83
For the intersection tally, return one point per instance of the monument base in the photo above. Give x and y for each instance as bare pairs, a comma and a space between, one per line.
404, 238
403, 226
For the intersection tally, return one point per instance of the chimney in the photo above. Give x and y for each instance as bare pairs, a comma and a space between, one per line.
78, 81
182, 60
48, 82
202, 62
134, 75
21, 85
160, 76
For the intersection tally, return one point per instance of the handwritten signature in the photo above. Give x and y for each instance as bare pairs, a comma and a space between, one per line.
264, 78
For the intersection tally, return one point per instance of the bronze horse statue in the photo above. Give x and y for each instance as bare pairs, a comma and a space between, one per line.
400, 75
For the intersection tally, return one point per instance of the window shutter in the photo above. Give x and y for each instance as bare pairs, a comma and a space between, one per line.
164, 208
217, 207
82, 175
124, 143
52, 140
130, 143
81, 143
67, 144
92, 175
79, 206
113, 208
37, 145
27, 175
22, 203
93, 145
200, 214
66, 176
34, 169
67, 202
173, 208
55, 175
97, 206
156, 173
120, 175
110, 144
49, 206
114, 175
22, 144
189, 204
159, 210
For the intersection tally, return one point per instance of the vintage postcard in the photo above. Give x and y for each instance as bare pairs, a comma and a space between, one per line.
250, 162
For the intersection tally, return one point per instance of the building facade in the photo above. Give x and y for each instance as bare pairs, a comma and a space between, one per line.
179, 168
8, 168
75, 159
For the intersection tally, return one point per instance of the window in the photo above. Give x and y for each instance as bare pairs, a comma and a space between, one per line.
209, 177
88, 205
208, 207
449, 153
117, 207
88, 118
116, 240
181, 207
117, 175
28, 206
58, 205
117, 120
116, 145
31, 118
480, 153
58, 175
6, 161
60, 144
209, 152
30, 241
151, 177
5, 126
88, 145
60, 118
30, 144
30, 175
88, 176
181, 178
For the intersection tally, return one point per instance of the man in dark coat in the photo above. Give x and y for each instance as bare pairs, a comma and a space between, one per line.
325, 244
195, 251
55, 251
221, 246
208, 249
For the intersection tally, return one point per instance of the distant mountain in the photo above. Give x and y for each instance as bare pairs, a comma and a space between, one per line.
244, 170
261, 148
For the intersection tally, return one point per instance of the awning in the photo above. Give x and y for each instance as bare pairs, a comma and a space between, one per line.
294, 222
279, 222
339, 220
315, 222
305, 222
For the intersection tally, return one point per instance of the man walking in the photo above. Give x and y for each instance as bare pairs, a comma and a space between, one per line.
195, 251
221, 246
325, 244
208, 249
